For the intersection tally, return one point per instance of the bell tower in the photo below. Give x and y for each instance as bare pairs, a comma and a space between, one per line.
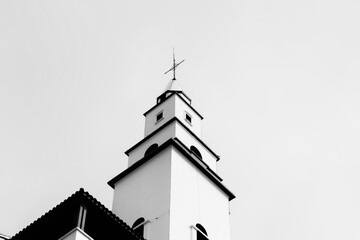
170, 190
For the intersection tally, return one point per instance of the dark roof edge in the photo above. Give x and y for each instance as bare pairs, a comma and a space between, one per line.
199, 159
198, 139
150, 135
3, 236
111, 214
178, 94
180, 147
50, 211
82, 193
171, 91
164, 126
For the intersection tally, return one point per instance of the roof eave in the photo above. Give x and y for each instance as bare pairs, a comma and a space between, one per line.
175, 143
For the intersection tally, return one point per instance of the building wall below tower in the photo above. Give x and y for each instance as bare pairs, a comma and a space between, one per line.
195, 199
145, 192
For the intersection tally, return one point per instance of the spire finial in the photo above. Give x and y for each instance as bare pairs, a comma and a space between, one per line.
174, 65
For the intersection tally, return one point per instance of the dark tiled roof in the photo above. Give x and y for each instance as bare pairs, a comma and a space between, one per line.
101, 223
3, 236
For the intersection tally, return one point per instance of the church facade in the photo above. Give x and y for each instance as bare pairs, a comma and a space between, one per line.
170, 190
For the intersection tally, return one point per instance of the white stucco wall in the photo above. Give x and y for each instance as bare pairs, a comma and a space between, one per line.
173, 130
195, 199
174, 106
180, 109
159, 138
146, 193
168, 190
190, 140
168, 109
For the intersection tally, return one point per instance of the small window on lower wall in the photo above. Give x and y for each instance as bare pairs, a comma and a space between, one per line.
188, 117
138, 226
159, 116
202, 234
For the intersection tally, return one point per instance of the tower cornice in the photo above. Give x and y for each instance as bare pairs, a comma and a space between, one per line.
164, 126
187, 153
168, 97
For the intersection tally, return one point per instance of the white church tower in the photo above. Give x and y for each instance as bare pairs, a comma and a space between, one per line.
170, 190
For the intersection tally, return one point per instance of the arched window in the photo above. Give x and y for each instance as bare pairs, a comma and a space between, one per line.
200, 235
151, 149
195, 151
138, 226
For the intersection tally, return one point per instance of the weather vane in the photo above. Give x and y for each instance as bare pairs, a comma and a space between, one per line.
174, 65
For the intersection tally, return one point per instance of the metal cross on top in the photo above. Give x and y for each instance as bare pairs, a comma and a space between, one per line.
174, 65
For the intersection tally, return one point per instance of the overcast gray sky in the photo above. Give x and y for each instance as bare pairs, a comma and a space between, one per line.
276, 81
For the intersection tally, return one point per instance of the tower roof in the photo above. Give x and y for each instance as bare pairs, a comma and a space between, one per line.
173, 85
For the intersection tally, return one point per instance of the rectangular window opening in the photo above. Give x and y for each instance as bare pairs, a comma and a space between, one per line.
188, 117
159, 116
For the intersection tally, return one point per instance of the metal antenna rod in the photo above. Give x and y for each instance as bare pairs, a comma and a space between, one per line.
174, 65
174, 61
